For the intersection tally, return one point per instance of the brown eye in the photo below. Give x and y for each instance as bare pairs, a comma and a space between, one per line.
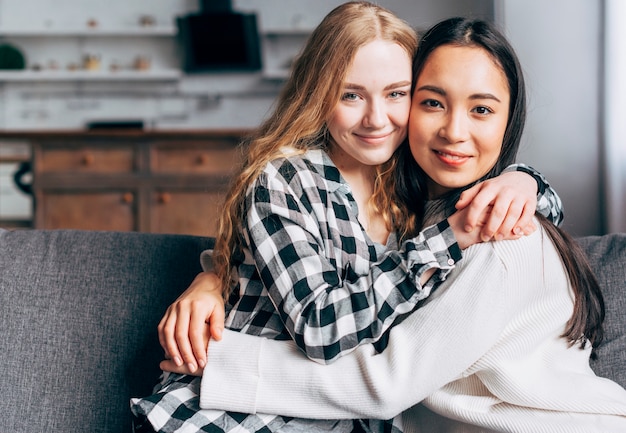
482, 110
432, 103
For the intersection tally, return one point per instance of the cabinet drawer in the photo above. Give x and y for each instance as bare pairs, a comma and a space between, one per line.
97, 210
186, 212
105, 159
195, 159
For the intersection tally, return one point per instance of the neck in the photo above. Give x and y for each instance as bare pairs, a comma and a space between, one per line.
361, 179
351, 169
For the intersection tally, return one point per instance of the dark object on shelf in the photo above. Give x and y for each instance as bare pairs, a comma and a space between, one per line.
115, 124
25, 169
220, 41
11, 57
218, 6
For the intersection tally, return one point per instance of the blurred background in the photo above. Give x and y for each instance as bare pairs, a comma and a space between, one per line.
125, 115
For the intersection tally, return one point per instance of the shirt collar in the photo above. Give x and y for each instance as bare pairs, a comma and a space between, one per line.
325, 167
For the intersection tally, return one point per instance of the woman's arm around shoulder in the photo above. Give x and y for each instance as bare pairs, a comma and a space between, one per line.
429, 348
330, 298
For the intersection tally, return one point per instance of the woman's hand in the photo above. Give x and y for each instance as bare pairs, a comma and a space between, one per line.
168, 365
190, 321
510, 199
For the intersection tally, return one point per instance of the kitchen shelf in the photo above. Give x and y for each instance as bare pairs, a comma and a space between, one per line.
275, 74
83, 75
95, 32
281, 32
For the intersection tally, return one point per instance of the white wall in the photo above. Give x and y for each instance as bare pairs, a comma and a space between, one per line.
614, 114
559, 44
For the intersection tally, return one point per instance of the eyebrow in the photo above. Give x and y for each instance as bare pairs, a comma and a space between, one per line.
389, 86
442, 92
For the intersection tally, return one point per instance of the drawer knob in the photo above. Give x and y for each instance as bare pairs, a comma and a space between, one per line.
87, 159
165, 197
128, 198
202, 159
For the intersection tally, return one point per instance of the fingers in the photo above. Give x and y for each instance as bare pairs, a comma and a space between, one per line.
480, 205
184, 331
465, 238
467, 196
179, 331
169, 365
216, 322
510, 200
198, 339
503, 220
183, 336
166, 330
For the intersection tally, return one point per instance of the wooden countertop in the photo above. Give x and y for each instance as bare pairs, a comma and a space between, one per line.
122, 132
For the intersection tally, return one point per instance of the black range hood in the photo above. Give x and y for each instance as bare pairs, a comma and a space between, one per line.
219, 39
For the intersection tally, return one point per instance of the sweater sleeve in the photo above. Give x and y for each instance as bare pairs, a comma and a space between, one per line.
431, 347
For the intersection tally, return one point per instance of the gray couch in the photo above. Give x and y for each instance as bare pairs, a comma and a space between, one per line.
80, 310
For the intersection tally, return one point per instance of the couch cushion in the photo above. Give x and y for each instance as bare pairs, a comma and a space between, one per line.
607, 255
79, 312
78, 320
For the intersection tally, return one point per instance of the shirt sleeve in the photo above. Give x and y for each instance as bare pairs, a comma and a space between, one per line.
330, 311
433, 346
548, 202
206, 261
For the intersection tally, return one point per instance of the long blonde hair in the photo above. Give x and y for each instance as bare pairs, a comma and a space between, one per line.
306, 101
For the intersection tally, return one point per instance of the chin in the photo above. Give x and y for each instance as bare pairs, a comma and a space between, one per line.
378, 158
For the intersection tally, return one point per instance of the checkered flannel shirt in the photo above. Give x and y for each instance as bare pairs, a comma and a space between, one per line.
310, 272
330, 287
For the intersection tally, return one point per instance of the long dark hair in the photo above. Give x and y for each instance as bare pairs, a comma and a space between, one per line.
586, 321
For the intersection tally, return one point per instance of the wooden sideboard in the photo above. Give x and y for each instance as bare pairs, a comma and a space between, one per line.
132, 180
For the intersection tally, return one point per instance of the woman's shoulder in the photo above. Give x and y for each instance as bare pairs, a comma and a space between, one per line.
310, 169
533, 251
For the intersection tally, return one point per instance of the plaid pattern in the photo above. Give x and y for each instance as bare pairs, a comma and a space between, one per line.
174, 408
310, 272
329, 287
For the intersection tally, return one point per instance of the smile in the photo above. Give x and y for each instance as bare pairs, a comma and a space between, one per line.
451, 158
374, 139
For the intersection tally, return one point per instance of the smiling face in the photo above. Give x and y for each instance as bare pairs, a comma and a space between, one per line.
370, 121
458, 116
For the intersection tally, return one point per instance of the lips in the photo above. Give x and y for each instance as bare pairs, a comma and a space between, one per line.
451, 158
374, 139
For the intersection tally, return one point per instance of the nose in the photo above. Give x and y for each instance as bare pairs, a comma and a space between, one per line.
376, 115
455, 128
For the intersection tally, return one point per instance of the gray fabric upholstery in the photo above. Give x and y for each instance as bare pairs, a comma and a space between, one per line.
608, 257
78, 324
80, 309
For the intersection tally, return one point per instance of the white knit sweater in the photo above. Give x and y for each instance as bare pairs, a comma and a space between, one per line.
484, 355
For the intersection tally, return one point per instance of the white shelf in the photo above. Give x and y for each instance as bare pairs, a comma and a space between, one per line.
82, 75
122, 31
285, 32
275, 74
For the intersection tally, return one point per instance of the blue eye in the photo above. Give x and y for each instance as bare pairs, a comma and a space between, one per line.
349, 97
397, 94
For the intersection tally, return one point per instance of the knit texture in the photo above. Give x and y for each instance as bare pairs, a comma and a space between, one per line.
485, 350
